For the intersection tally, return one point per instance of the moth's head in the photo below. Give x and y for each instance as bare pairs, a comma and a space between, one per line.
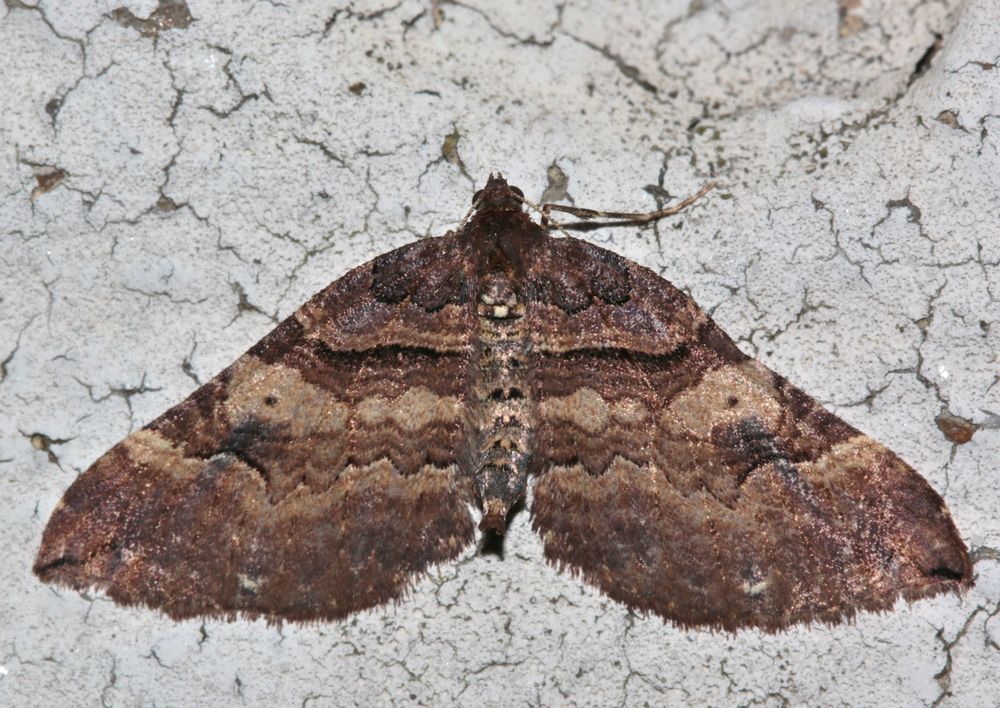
497, 195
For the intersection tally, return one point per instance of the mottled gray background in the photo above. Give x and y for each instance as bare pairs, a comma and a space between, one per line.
176, 178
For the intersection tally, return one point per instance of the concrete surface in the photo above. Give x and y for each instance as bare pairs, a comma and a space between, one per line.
175, 178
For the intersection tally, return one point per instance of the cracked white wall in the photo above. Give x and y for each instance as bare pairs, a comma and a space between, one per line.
219, 168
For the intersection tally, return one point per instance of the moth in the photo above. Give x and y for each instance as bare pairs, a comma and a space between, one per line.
345, 452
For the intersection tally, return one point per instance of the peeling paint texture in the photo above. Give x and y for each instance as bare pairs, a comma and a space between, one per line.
177, 176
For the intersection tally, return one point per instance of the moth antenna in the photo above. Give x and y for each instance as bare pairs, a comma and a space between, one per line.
530, 203
547, 223
468, 215
625, 217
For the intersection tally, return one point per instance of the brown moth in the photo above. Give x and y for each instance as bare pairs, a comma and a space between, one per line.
339, 457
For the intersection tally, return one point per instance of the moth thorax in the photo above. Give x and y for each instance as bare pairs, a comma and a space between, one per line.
497, 297
496, 288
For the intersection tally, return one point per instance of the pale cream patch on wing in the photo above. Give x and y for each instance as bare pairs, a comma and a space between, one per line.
755, 589
279, 395
630, 411
857, 453
412, 411
724, 397
150, 450
587, 409
379, 475
249, 583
